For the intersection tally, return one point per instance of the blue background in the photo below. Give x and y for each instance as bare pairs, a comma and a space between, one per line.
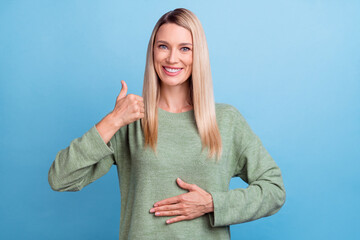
292, 68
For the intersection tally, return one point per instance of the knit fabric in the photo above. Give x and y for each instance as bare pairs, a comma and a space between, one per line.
146, 177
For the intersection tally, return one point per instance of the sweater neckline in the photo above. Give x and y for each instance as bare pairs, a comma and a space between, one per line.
188, 115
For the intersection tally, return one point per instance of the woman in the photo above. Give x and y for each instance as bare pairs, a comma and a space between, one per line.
175, 149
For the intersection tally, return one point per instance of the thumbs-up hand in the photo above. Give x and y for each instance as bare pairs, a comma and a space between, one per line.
128, 108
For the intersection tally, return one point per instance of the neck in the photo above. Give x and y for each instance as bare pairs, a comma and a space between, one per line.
175, 99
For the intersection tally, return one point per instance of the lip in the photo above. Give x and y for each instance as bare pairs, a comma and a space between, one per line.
171, 73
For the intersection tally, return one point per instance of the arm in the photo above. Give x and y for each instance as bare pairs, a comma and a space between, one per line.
92, 155
265, 194
263, 197
85, 160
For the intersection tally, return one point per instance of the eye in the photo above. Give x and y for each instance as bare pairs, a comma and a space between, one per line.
185, 49
162, 46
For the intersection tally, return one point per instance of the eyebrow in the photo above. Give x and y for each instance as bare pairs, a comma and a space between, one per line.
161, 41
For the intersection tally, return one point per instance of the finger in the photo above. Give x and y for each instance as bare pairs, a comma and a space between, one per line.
167, 201
185, 185
136, 109
142, 110
141, 104
139, 98
168, 213
176, 219
123, 90
138, 115
136, 98
167, 208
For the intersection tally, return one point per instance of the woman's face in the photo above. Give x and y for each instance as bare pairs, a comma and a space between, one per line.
173, 54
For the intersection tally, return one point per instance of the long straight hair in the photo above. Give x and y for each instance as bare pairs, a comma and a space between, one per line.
201, 89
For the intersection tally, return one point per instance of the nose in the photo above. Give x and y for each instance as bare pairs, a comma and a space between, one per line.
173, 56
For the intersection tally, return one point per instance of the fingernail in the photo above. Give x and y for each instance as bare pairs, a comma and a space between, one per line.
167, 221
155, 205
180, 180
157, 214
152, 210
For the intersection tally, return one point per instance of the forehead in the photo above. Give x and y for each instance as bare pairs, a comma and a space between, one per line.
173, 33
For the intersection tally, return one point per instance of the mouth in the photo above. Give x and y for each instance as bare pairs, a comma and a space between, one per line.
172, 71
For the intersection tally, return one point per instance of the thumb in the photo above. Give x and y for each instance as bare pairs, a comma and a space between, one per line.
123, 90
184, 185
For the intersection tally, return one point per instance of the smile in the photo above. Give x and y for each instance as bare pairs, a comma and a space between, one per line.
172, 71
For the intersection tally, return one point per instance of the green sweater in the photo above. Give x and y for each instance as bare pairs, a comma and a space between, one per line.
146, 178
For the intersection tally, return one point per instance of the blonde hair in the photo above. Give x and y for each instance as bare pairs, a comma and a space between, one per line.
201, 89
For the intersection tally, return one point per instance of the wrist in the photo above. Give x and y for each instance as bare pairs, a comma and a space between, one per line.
113, 121
107, 127
210, 205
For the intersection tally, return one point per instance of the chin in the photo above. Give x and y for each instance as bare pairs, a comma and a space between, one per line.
172, 82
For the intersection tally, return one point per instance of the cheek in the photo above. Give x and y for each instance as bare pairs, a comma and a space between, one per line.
157, 61
189, 62
159, 57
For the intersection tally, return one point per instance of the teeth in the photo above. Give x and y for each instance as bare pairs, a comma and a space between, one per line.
172, 69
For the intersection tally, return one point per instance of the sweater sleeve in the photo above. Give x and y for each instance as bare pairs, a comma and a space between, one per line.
265, 194
86, 159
